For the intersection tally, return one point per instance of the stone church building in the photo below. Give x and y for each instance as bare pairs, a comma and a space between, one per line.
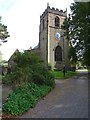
53, 46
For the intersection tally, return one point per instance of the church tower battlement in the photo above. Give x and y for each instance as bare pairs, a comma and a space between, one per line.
53, 47
54, 11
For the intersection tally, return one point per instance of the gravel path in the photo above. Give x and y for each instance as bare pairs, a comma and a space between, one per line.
69, 99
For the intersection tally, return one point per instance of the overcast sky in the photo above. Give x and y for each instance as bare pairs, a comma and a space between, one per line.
22, 18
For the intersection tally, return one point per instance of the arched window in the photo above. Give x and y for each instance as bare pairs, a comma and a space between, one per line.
58, 53
57, 21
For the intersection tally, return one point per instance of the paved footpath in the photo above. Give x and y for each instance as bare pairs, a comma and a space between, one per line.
69, 99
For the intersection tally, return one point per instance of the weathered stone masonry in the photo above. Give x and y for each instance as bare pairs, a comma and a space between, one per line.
50, 25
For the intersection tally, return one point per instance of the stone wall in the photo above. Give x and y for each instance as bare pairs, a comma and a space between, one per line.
43, 39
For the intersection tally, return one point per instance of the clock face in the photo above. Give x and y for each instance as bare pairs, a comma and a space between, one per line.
57, 35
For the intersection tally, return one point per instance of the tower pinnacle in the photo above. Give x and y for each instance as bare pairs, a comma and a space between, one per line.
47, 4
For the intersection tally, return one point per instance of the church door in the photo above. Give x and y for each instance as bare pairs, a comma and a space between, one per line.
58, 54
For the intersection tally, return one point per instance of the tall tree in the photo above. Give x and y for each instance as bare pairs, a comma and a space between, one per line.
3, 33
77, 26
0, 56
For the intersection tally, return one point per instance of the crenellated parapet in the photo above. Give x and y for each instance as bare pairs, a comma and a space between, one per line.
53, 11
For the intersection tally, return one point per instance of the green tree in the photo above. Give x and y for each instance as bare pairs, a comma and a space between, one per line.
3, 33
67, 26
72, 55
0, 56
77, 28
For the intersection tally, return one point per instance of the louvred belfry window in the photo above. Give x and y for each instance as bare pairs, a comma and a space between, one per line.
57, 21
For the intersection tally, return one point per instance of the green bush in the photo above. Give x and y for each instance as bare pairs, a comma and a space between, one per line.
41, 75
31, 81
29, 68
38, 78
18, 76
24, 98
6, 80
49, 80
49, 67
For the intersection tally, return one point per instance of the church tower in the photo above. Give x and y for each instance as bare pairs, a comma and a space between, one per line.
52, 42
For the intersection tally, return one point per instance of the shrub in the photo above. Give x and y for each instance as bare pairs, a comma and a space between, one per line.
18, 77
6, 79
50, 80
49, 67
41, 75
29, 68
24, 98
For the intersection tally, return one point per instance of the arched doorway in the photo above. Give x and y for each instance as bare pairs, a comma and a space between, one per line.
58, 54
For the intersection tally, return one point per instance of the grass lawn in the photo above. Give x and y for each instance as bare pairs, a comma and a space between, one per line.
59, 74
